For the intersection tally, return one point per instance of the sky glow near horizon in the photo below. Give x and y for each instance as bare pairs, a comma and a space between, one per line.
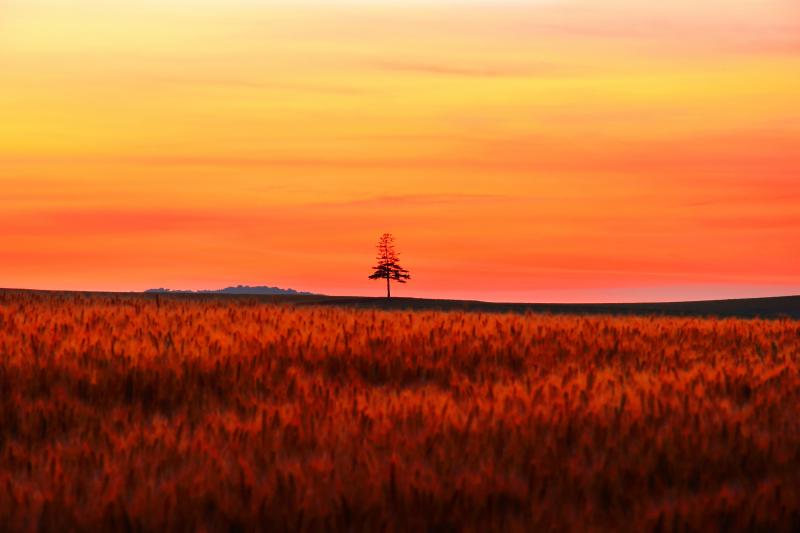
519, 151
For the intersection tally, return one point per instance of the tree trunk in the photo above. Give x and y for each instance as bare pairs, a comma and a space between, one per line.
388, 290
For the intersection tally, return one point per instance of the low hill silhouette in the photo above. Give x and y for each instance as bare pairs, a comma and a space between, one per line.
239, 289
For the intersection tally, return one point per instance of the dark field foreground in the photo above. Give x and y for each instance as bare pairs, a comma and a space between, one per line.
123, 413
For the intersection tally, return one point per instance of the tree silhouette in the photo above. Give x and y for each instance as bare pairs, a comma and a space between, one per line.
388, 267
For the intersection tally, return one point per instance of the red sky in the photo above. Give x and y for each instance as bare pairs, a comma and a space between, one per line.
519, 151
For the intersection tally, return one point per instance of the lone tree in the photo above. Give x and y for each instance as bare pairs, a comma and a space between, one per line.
388, 267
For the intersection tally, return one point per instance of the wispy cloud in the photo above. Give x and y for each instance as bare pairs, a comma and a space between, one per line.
266, 85
108, 221
415, 200
474, 71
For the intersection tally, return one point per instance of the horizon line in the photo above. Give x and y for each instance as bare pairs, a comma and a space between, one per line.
306, 294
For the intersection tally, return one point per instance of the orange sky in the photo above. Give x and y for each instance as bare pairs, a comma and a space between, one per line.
543, 150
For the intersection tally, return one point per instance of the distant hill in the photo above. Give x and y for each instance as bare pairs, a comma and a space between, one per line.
775, 307
239, 289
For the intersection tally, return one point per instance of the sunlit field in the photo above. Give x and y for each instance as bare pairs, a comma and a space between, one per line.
131, 413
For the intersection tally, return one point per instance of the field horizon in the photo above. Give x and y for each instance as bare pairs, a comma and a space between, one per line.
787, 306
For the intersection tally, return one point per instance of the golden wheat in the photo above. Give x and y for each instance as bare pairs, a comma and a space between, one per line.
127, 413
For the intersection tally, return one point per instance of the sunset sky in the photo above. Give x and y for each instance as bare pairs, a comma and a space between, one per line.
548, 150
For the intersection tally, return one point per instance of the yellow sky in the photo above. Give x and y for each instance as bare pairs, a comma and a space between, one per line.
558, 150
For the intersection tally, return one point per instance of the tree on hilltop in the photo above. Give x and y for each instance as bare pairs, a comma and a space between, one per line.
388, 267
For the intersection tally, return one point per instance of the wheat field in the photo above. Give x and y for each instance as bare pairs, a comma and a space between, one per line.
127, 413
